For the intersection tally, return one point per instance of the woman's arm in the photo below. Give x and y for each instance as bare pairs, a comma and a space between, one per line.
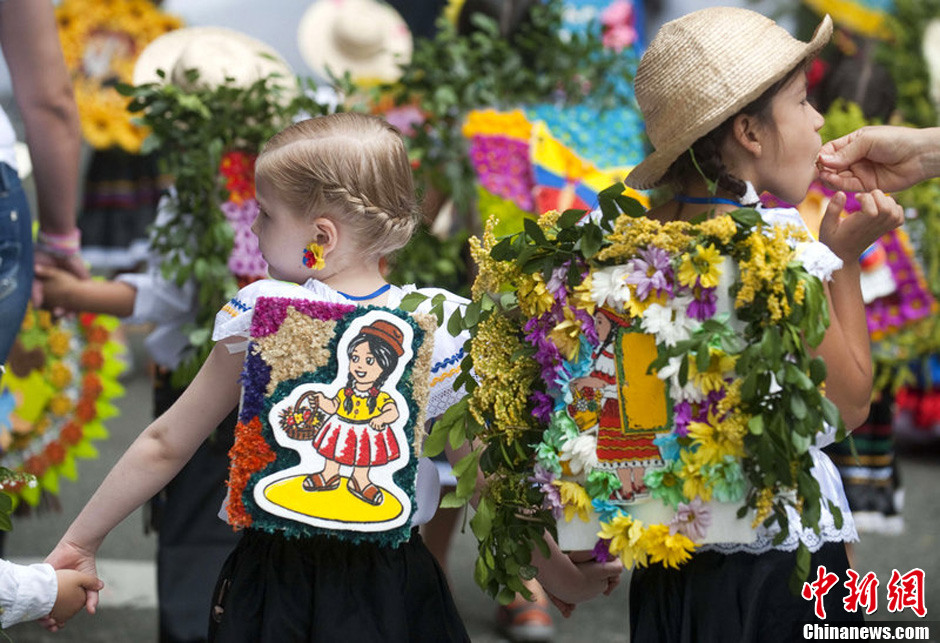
152, 461
846, 345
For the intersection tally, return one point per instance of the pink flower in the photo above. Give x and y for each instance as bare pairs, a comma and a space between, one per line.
619, 12
692, 520
619, 38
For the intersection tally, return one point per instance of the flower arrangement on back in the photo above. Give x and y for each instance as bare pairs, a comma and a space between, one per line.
678, 357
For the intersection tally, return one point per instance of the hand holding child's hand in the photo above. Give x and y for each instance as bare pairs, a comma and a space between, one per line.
849, 236
573, 579
57, 286
71, 595
68, 556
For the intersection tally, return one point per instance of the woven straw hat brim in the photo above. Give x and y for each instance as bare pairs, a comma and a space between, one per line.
165, 52
702, 69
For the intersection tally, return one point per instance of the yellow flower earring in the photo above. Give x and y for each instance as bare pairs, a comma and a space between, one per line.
313, 256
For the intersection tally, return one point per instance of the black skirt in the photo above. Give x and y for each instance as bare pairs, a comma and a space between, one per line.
736, 597
273, 588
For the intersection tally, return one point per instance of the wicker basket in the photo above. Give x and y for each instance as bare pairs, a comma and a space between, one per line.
303, 422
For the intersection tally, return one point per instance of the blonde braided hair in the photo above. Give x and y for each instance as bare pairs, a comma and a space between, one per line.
350, 167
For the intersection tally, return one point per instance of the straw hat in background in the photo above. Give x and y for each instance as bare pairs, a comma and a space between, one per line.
217, 53
705, 67
369, 39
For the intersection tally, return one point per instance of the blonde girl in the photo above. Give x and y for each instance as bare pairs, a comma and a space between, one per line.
335, 196
723, 92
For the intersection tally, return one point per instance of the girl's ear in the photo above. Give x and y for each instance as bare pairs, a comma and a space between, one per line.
326, 234
746, 131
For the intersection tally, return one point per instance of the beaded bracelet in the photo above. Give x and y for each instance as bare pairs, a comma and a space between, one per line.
60, 245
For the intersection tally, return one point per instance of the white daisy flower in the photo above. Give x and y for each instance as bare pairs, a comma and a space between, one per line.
609, 286
580, 453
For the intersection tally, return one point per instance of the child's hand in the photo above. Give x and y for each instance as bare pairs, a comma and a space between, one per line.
849, 236
70, 557
71, 596
572, 579
57, 286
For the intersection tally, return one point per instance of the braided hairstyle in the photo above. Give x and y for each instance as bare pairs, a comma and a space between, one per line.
385, 357
707, 149
350, 167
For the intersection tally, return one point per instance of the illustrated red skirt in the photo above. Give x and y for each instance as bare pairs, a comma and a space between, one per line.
358, 445
635, 449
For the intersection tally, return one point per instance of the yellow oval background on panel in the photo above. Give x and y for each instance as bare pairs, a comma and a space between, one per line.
337, 504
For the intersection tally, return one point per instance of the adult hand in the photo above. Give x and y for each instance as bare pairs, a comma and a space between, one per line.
72, 264
850, 235
880, 157
68, 555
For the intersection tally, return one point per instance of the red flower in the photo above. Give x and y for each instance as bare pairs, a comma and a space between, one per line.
71, 433
37, 465
92, 359
55, 452
249, 454
85, 410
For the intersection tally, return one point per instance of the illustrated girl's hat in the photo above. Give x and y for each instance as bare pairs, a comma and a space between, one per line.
369, 39
387, 331
216, 53
705, 67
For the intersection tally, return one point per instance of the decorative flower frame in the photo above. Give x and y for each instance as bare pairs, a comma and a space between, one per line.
740, 398
56, 393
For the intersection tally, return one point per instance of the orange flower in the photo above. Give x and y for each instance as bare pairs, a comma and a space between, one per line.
97, 334
55, 452
249, 454
60, 405
36, 465
71, 433
91, 386
85, 410
92, 359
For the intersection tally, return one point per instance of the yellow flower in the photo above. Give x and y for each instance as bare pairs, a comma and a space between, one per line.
566, 335
670, 549
703, 267
59, 342
60, 405
717, 438
693, 481
581, 296
765, 499
60, 375
45, 319
575, 499
534, 298
722, 228
720, 365
626, 540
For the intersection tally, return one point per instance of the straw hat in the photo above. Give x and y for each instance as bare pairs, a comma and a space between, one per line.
703, 68
216, 52
369, 39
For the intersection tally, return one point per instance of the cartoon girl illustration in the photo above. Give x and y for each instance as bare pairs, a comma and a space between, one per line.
625, 450
357, 432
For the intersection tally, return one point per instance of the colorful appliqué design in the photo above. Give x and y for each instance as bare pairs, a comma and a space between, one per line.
327, 439
55, 396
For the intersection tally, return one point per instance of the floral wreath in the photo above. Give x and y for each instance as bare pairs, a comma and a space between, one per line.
743, 391
55, 394
100, 40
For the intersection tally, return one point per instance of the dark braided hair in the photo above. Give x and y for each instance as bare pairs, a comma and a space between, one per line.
707, 149
387, 360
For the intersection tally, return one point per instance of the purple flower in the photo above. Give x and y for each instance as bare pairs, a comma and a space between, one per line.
543, 479
651, 271
557, 284
542, 406
703, 304
682, 416
602, 551
692, 520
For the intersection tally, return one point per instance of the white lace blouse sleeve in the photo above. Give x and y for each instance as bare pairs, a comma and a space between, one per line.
234, 320
447, 355
815, 256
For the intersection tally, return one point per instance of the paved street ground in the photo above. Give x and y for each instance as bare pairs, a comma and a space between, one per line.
128, 610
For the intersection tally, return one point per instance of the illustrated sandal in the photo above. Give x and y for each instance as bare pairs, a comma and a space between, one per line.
370, 493
316, 482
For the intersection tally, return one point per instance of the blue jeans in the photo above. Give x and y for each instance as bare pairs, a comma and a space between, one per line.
16, 257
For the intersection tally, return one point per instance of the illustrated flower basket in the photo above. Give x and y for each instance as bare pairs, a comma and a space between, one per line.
304, 419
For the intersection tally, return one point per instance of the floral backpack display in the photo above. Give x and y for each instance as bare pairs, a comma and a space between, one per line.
331, 421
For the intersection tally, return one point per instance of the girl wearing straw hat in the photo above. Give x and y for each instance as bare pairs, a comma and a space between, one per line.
723, 93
